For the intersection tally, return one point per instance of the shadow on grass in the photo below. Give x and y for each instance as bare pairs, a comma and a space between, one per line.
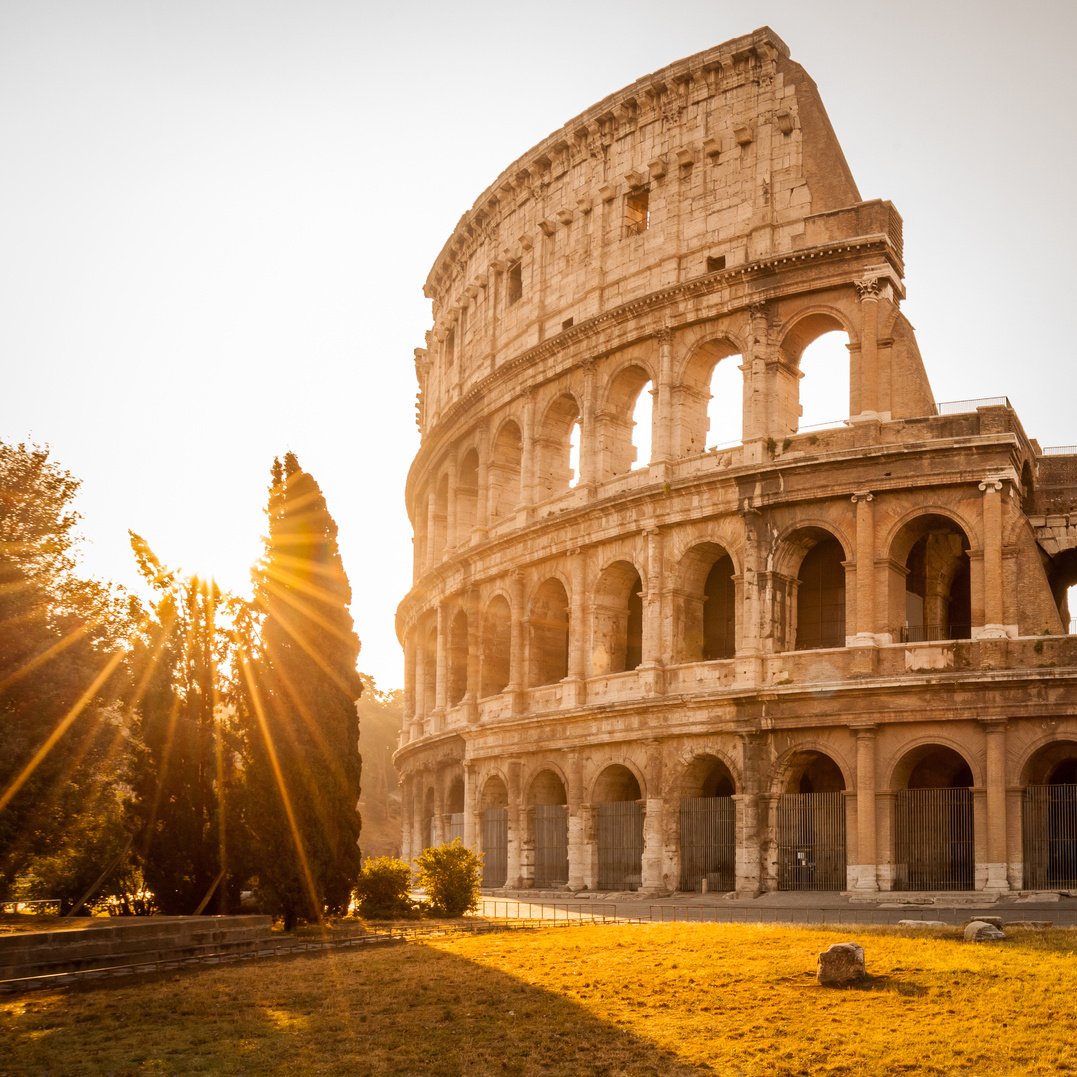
408, 1010
883, 983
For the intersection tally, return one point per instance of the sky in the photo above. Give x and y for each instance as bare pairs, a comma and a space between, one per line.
217, 217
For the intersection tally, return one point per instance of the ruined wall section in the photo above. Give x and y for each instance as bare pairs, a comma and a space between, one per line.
711, 163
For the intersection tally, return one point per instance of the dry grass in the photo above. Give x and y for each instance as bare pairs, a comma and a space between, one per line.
653, 999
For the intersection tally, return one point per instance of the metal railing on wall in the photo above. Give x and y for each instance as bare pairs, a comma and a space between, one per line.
959, 407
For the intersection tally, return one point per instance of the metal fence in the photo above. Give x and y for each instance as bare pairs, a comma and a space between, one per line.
811, 841
1060, 450
708, 845
959, 407
455, 826
934, 633
933, 839
495, 846
620, 845
1049, 832
550, 823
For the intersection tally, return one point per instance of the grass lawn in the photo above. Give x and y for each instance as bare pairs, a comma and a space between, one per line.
662, 999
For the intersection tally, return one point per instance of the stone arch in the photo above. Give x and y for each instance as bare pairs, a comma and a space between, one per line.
810, 605
457, 657
811, 820
811, 768
616, 782
428, 642
1049, 815
467, 496
440, 533
494, 830
454, 808
694, 391
798, 400
496, 646
505, 470
705, 604
929, 580
706, 825
617, 452
617, 632
616, 799
934, 840
429, 809
549, 633
553, 445
547, 827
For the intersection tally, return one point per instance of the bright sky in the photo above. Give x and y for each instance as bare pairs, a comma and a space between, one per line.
217, 217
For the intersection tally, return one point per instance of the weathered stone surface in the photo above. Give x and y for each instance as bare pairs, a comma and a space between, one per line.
1036, 925
922, 923
841, 963
994, 921
979, 931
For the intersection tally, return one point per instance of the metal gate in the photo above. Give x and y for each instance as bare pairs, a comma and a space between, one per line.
454, 826
933, 839
620, 845
811, 841
550, 823
1049, 832
495, 846
708, 847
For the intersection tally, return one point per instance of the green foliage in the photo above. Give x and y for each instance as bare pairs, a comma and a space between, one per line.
450, 876
382, 889
62, 660
297, 687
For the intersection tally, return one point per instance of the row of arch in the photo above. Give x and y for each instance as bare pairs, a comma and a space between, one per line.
528, 641
704, 828
570, 438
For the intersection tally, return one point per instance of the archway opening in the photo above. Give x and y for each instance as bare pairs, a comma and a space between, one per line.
933, 823
428, 819
555, 470
707, 827
617, 644
725, 409
820, 595
494, 831
548, 813
504, 471
575, 441
1062, 576
705, 607
642, 426
429, 683
938, 596
496, 646
1049, 818
549, 634
811, 825
824, 386
467, 496
625, 433
454, 808
619, 829
457, 656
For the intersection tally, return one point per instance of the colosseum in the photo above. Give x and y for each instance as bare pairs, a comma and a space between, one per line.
666, 635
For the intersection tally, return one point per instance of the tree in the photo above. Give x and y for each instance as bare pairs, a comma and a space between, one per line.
183, 772
450, 876
62, 658
298, 688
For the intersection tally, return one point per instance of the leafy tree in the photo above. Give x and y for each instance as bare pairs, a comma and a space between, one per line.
382, 889
450, 876
183, 772
62, 658
298, 688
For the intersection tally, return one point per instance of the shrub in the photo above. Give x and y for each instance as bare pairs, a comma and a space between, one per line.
450, 876
382, 890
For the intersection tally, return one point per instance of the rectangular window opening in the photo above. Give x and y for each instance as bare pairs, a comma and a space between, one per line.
715, 262
515, 283
566, 324
637, 211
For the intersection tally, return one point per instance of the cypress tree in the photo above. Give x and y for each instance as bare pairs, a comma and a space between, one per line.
298, 691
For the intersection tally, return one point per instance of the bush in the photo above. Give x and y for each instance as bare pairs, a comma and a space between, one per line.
450, 876
382, 890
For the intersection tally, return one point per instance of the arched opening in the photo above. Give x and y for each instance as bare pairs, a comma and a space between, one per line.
811, 825
824, 386
820, 594
457, 656
441, 520
642, 427
504, 471
937, 600
496, 646
553, 447
1028, 492
705, 605
1062, 577
1049, 818
725, 410
548, 653
933, 826
575, 441
548, 814
624, 444
707, 827
494, 832
454, 809
428, 819
467, 496
617, 643
619, 829
429, 684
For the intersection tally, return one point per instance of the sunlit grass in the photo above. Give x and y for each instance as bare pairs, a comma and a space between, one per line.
638, 999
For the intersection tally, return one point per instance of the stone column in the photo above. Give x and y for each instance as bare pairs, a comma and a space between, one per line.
589, 440
452, 539
441, 687
518, 644
865, 382
420, 677
528, 454
653, 655
430, 554
756, 409
997, 875
578, 631
662, 448
747, 806
578, 855
993, 626
651, 867
482, 492
474, 657
864, 871
865, 570
409, 678
471, 795
515, 820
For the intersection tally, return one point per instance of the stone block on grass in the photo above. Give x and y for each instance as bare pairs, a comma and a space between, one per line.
842, 963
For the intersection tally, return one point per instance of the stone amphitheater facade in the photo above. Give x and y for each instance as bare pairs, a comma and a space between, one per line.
830, 659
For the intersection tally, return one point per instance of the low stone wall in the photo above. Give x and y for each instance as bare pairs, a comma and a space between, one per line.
108, 943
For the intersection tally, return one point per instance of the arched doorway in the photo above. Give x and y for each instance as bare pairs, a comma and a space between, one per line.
811, 825
617, 644
1049, 818
820, 593
548, 816
937, 599
454, 810
707, 827
705, 605
494, 830
618, 829
549, 634
933, 824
